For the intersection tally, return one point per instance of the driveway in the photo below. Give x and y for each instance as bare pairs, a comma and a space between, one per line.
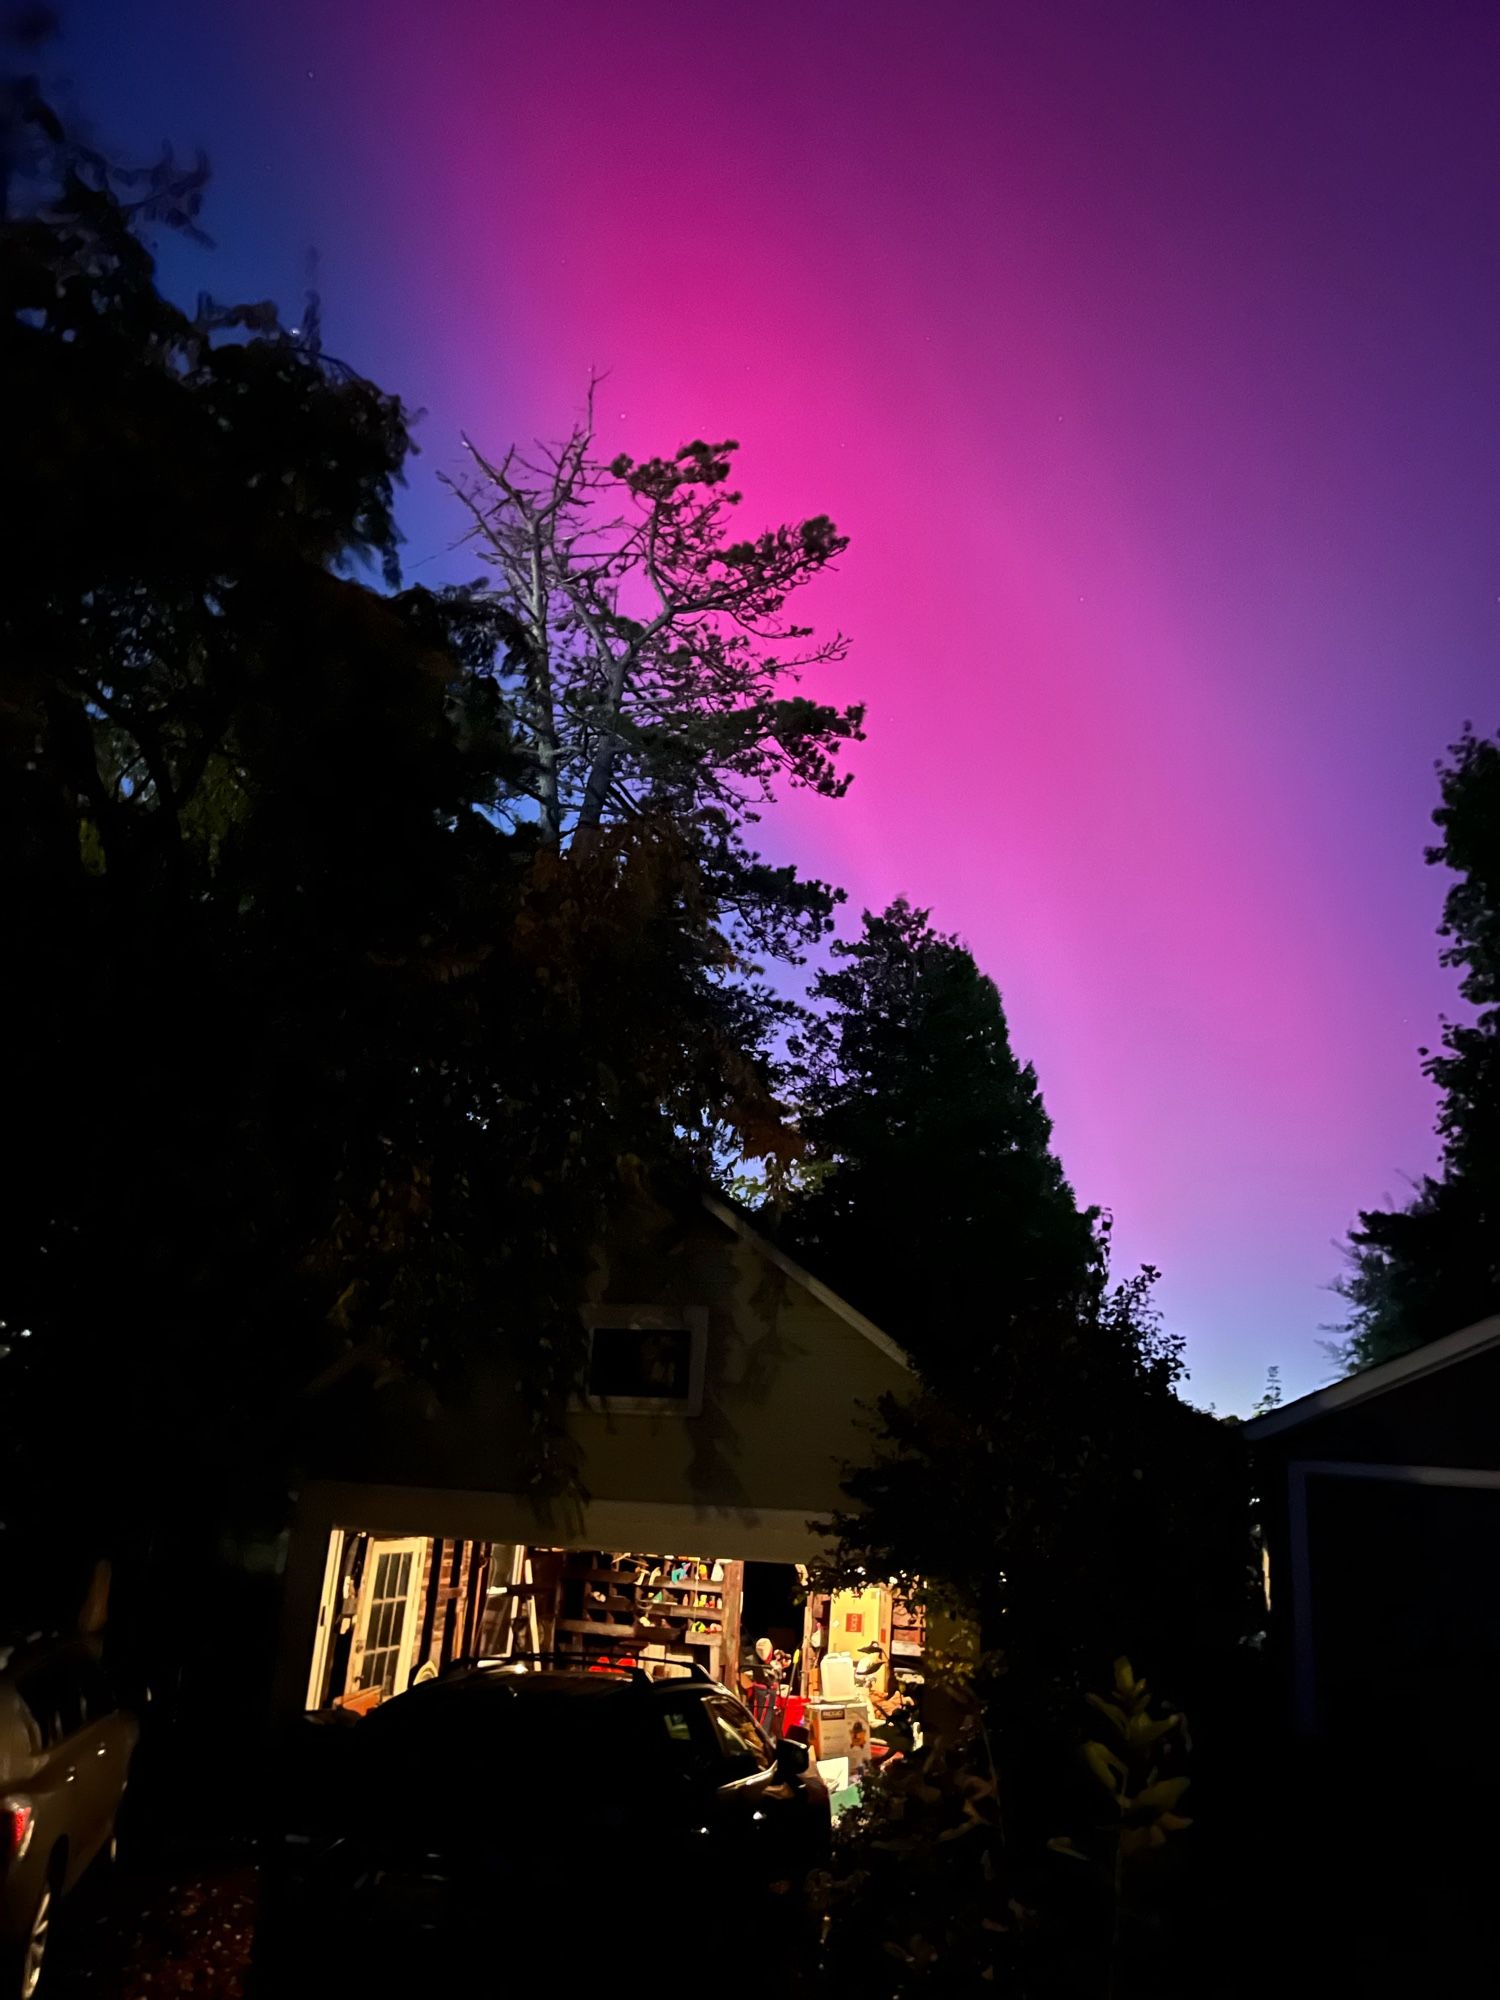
157, 1928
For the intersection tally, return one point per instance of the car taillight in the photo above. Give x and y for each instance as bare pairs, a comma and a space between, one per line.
16, 1817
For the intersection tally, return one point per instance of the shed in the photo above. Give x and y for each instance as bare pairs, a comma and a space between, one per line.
1381, 1497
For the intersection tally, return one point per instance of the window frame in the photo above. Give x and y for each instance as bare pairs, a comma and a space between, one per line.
692, 1320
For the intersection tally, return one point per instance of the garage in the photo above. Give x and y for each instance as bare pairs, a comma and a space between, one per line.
838, 1670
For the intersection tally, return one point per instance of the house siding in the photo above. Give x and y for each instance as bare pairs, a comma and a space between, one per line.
790, 1389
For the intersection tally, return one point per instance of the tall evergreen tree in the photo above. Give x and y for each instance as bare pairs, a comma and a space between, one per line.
935, 1202
1434, 1265
1042, 1478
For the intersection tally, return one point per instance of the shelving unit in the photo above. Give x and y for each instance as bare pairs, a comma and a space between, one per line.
908, 1631
901, 1627
634, 1603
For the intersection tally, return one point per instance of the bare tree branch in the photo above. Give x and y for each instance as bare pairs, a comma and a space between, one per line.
658, 658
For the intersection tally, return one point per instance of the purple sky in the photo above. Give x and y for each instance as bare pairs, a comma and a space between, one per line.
1148, 353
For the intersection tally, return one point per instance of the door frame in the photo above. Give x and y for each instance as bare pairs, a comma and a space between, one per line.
328, 1618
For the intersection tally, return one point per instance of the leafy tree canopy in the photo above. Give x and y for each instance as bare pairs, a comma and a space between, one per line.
326, 1061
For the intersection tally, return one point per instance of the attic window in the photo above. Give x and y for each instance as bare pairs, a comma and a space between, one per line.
645, 1362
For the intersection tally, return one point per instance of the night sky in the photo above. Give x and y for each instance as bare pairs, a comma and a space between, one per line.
1148, 353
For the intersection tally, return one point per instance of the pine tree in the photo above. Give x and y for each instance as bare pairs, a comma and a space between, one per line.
941, 1209
1042, 1479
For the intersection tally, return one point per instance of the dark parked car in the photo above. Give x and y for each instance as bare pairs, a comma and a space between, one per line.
627, 1829
65, 1750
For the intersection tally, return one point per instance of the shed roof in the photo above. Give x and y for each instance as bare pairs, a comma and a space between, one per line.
1437, 1355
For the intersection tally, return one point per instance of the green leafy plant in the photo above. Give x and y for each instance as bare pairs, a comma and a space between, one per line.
1144, 1798
1147, 1810
917, 1898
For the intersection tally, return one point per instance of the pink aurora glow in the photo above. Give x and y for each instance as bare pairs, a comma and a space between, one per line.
1146, 355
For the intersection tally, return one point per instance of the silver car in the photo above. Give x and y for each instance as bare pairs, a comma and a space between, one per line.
65, 1750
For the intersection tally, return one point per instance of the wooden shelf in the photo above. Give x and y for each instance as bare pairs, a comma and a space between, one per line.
635, 1582
640, 1615
670, 1593
640, 1634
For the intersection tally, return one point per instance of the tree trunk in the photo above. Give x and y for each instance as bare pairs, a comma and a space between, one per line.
602, 770
546, 717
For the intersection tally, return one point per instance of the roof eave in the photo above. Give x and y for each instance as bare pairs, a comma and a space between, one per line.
731, 1219
1353, 1390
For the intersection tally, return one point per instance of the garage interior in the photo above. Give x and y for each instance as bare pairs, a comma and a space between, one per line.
840, 1670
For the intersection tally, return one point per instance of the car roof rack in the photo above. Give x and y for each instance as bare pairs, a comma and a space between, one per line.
607, 1658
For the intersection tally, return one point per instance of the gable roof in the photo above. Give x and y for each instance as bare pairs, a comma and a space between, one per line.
730, 1217
1437, 1355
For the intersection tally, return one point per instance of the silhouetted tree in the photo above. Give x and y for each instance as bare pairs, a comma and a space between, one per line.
1434, 1265
647, 662
1270, 1397
1043, 1478
934, 1149
326, 1063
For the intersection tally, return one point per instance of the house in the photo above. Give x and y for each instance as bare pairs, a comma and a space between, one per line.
725, 1389
1382, 1507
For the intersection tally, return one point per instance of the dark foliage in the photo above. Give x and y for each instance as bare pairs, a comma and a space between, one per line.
647, 660
323, 1069
1044, 1479
1434, 1265
940, 1150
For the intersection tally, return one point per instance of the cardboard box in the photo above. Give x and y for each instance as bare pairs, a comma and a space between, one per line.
835, 1728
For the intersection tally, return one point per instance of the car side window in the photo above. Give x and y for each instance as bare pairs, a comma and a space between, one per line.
689, 1750
97, 1695
740, 1742
53, 1696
